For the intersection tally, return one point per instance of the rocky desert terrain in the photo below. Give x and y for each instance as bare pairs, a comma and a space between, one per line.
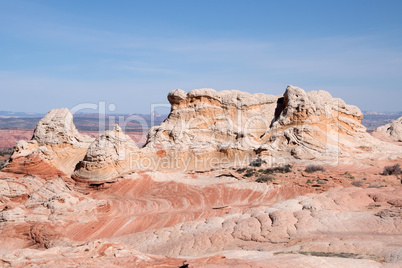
228, 179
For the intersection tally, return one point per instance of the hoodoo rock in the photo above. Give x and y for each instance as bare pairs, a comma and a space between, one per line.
392, 130
107, 157
55, 148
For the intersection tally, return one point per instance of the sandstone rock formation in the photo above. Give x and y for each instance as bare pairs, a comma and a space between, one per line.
206, 130
392, 130
183, 201
55, 148
57, 127
206, 120
107, 157
311, 125
314, 125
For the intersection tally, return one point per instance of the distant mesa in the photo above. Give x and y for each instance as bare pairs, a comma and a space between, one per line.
9, 114
208, 130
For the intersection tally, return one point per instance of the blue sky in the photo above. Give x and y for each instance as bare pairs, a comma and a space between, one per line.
56, 54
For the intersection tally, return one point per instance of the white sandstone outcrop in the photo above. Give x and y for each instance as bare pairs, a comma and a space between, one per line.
206, 120
57, 127
392, 130
55, 148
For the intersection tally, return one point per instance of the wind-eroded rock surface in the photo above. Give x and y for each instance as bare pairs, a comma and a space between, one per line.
188, 217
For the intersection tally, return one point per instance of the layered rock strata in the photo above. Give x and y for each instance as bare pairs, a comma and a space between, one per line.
43, 222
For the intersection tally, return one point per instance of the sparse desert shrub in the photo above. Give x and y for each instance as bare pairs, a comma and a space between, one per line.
341, 255
357, 183
375, 186
392, 170
365, 148
249, 173
3, 164
6, 152
350, 176
257, 162
283, 169
241, 170
280, 169
335, 254
314, 168
265, 178
267, 171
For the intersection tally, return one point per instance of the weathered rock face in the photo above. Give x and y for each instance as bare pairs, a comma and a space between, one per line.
107, 157
315, 107
316, 125
311, 125
392, 130
206, 120
57, 127
55, 148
